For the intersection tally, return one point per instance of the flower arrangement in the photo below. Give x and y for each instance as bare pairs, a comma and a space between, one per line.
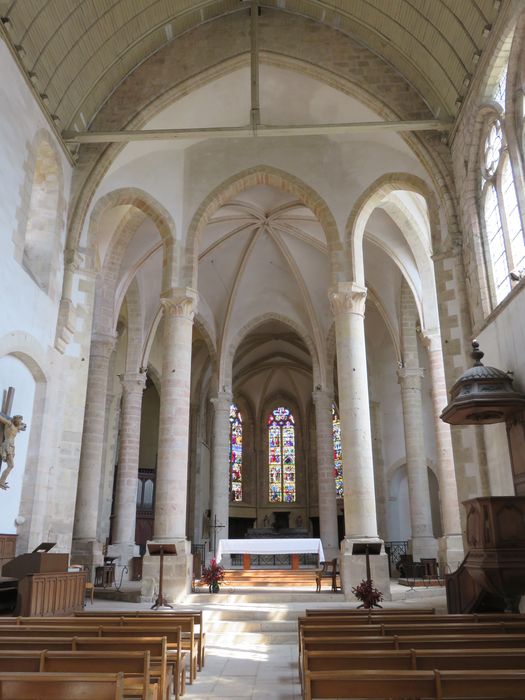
213, 575
367, 594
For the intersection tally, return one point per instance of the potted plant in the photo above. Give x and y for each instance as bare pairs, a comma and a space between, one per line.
213, 575
367, 594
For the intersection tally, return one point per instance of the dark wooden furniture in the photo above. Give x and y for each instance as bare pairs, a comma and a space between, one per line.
492, 575
161, 550
328, 571
51, 594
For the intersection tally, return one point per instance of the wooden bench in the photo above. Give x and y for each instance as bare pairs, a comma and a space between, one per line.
134, 665
397, 685
61, 686
89, 626
416, 620
361, 612
163, 658
171, 614
414, 659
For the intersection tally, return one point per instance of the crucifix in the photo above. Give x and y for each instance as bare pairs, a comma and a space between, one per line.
9, 429
215, 528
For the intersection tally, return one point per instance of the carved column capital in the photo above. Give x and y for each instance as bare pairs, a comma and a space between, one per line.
222, 401
180, 302
133, 381
103, 344
347, 297
431, 340
322, 398
410, 377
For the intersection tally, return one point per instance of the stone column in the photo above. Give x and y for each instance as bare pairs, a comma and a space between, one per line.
379, 467
348, 305
85, 548
128, 468
172, 461
220, 466
325, 474
451, 551
423, 541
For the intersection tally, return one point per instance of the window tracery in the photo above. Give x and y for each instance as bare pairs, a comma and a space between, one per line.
504, 242
281, 456
235, 453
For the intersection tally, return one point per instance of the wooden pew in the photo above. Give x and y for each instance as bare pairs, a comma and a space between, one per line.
444, 641
162, 659
61, 686
414, 659
411, 619
311, 612
134, 665
169, 614
91, 626
397, 685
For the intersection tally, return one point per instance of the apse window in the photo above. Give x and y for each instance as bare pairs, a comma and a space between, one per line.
235, 453
281, 456
338, 456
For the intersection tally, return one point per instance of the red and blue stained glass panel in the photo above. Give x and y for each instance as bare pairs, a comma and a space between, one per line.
236, 453
281, 456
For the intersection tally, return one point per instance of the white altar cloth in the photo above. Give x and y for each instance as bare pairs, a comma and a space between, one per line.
303, 545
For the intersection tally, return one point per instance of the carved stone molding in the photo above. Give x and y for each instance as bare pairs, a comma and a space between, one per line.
347, 297
180, 302
431, 340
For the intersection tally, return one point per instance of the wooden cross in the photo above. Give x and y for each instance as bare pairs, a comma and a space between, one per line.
7, 405
215, 527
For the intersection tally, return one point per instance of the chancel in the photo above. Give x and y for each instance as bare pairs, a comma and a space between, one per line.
246, 248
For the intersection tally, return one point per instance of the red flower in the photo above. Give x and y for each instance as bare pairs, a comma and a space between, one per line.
214, 573
367, 594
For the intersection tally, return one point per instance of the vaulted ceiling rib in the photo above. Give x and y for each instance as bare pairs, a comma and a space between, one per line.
79, 52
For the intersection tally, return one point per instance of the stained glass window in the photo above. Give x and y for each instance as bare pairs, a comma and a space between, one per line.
235, 453
338, 457
281, 456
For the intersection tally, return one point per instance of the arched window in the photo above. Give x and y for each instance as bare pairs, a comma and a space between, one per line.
281, 456
504, 242
235, 453
338, 457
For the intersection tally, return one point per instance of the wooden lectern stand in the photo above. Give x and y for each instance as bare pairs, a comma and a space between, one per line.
161, 550
367, 549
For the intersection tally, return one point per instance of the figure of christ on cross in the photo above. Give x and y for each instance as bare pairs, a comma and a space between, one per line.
9, 429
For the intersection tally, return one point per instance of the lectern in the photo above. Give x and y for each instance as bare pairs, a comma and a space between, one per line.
161, 550
367, 548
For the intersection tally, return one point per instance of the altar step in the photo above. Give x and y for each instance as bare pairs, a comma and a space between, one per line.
266, 578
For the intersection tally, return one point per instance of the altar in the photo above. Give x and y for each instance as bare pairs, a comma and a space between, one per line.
295, 547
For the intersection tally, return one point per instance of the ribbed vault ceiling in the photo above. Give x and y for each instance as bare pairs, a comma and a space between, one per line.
78, 51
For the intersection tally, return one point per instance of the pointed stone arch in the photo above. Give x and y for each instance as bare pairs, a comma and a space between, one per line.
226, 361
150, 207
251, 177
370, 199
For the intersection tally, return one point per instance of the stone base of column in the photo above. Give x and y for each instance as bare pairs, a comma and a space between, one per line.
177, 574
451, 552
423, 547
89, 554
125, 551
353, 568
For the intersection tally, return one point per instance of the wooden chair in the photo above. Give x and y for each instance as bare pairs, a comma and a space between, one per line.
329, 571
